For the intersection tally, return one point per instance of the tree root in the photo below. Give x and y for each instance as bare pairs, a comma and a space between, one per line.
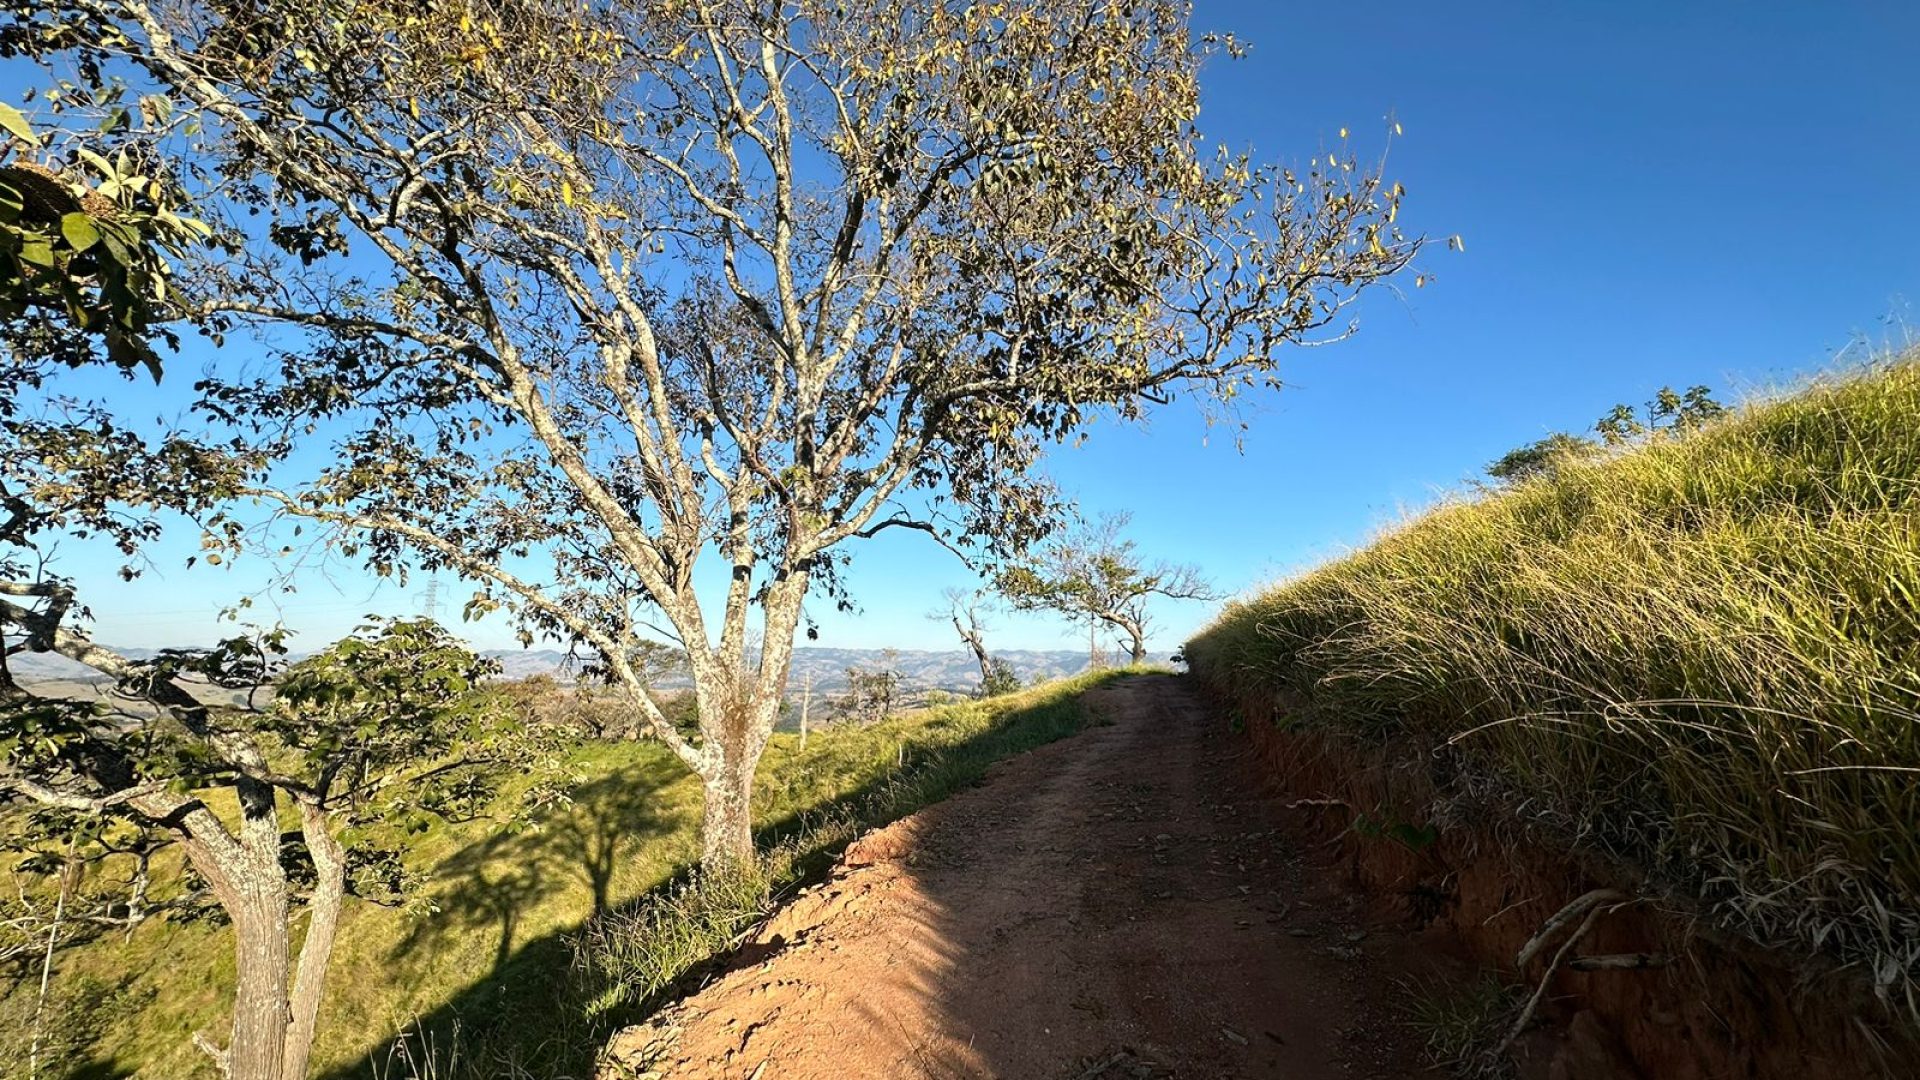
1620, 962
1588, 907
1579, 906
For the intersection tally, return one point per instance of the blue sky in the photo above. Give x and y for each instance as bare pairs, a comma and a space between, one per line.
1649, 193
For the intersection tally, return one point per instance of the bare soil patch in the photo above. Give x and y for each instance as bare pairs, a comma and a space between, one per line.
1125, 903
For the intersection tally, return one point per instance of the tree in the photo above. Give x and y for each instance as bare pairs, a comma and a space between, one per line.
869, 696
1094, 575
361, 740
88, 225
1000, 679
582, 295
1669, 412
966, 611
368, 739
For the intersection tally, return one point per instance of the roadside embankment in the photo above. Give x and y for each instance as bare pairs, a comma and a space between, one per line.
1689, 673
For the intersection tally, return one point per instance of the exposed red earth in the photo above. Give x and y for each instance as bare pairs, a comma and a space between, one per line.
1125, 903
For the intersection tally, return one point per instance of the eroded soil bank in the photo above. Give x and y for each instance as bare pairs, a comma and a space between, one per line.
1125, 903
1718, 1009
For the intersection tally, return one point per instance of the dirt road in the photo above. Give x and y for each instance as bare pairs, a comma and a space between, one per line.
1119, 904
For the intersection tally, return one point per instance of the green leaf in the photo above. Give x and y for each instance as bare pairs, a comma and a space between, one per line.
16, 122
102, 164
79, 231
39, 252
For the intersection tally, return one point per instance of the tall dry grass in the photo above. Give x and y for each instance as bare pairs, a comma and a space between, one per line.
1701, 656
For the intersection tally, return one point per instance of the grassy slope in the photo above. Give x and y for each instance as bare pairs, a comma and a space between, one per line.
1701, 656
497, 946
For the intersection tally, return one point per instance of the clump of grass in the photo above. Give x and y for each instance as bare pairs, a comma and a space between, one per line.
1461, 1025
1701, 656
632, 955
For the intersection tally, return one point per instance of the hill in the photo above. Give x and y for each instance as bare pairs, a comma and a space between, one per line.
1698, 659
920, 669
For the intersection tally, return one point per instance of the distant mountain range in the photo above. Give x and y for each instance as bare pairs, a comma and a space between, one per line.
920, 669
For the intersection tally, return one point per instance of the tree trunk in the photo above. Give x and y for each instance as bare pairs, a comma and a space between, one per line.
1139, 648
739, 703
245, 874
726, 829
806, 703
316, 951
977, 644
258, 1048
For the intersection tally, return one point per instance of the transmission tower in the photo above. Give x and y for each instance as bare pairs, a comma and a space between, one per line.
430, 601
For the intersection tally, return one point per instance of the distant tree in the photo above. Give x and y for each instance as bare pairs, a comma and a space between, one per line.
870, 691
1091, 573
966, 610
610, 287
1669, 411
656, 665
368, 739
1674, 411
1620, 426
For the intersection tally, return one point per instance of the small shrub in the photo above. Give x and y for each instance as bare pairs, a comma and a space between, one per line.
1001, 679
625, 958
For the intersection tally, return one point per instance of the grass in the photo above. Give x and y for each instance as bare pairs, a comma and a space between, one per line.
1700, 657
1459, 1024
537, 944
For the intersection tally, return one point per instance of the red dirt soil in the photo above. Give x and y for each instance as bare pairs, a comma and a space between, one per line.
1124, 903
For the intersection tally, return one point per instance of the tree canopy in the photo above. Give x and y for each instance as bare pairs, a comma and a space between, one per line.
1094, 574
581, 297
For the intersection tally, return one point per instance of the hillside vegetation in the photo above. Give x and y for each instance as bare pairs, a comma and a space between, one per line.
527, 947
1700, 656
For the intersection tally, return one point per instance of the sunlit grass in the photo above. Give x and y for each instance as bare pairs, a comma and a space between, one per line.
511, 933
1701, 656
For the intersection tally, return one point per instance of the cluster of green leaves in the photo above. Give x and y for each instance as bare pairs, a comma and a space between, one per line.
86, 248
403, 701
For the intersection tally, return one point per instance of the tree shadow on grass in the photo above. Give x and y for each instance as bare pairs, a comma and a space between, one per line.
489, 885
530, 1017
